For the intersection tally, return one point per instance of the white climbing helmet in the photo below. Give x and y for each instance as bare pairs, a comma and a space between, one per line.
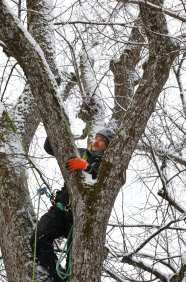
107, 134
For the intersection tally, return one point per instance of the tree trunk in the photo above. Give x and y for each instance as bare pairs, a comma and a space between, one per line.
91, 217
125, 76
92, 203
17, 215
16, 210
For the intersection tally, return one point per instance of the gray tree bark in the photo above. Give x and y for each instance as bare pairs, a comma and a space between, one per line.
17, 215
124, 70
91, 203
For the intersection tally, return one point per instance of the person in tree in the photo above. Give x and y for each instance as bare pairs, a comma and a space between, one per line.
57, 222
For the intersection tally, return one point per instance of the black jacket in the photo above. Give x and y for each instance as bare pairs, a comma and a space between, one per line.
94, 161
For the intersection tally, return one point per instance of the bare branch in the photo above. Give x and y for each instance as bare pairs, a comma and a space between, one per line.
157, 232
156, 8
180, 84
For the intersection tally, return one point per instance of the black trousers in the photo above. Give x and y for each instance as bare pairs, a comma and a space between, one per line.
52, 225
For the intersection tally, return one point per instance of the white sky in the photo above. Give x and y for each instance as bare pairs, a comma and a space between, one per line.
135, 195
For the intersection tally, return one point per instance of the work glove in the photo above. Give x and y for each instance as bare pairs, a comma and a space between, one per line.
76, 163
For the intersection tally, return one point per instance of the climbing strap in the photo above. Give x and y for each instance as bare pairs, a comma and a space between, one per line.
63, 255
59, 205
62, 207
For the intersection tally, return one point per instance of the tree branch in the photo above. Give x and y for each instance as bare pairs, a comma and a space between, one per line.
162, 52
155, 8
132, 260
157, 232
112, 274
165, 195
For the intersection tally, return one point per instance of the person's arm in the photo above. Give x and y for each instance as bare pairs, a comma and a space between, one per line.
93, 168
90, 165
48, 148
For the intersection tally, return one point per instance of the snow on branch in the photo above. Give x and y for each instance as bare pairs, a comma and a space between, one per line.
11, 144
120, 225
41, 26
157, 8
14, 26
25, 116
162, 153
178, 206
92, 111
180, 83
42, 82
2, 109
136, 262
114, 275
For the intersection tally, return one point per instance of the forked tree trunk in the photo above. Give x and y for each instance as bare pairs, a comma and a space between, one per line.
91, 204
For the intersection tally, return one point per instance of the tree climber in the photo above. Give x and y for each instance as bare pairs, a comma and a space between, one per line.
58, 220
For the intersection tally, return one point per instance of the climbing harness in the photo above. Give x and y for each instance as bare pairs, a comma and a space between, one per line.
42, 191
62, 207
59, 205
63, 255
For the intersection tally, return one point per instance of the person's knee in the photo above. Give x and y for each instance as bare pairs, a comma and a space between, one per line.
39, 240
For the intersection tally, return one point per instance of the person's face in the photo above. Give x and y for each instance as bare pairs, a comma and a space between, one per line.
98, 146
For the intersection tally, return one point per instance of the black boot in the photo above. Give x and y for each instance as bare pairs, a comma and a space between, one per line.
56, 277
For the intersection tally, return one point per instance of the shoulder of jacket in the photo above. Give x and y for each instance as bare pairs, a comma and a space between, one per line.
81, 151
48, 147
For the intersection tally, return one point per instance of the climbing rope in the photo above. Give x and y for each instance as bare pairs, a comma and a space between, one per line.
35, 239
63, 255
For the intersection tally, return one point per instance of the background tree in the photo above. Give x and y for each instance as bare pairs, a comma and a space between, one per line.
139, 52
